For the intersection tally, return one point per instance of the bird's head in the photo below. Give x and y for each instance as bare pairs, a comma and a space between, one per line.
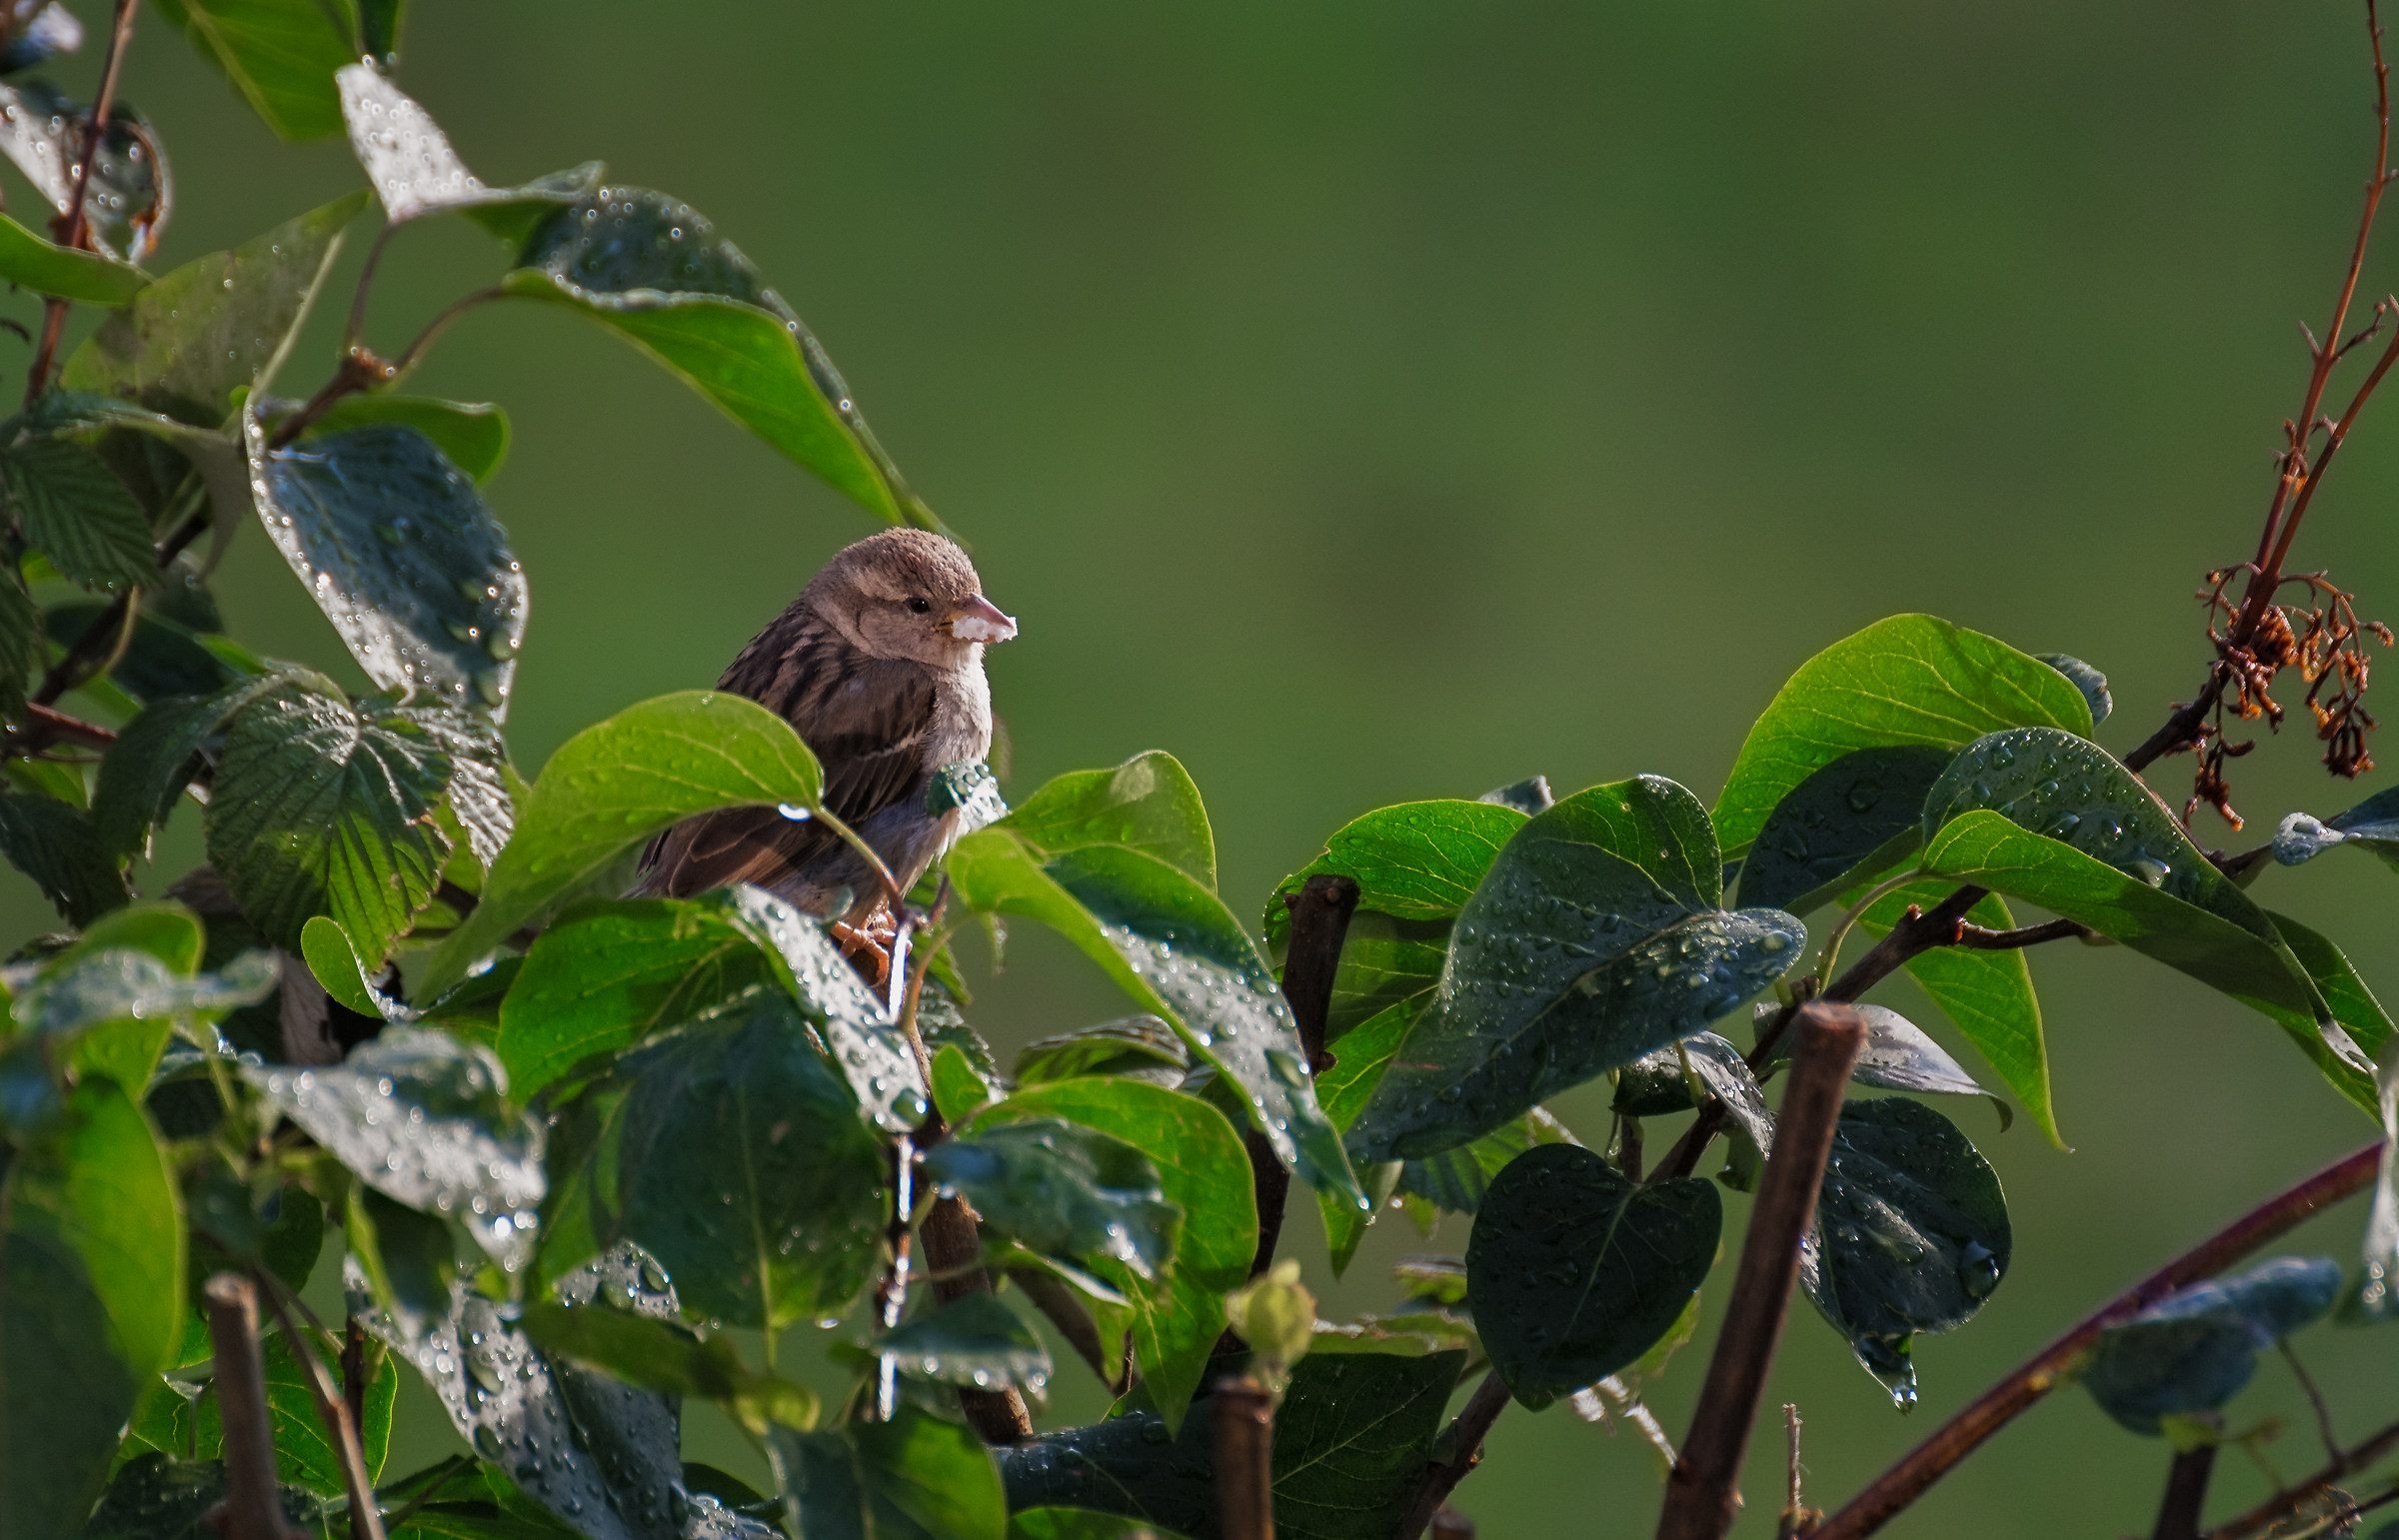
908, 594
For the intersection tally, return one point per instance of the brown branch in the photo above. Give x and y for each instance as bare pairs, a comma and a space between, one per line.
1904, 1482
253, 1503
2315, 1398
1981, 939
72, 229
1321, 913
1466, 1434
366, 1519
1244, 1446
1055, 1301
954, 1253
1703, 1496
354, 1395
2186, 1494
2265, 1513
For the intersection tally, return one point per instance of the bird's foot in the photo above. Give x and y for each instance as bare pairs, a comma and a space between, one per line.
868, 948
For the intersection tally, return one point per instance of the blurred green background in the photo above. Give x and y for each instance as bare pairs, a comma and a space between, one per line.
1373, 401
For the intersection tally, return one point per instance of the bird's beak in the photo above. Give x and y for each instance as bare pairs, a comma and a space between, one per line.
979, 620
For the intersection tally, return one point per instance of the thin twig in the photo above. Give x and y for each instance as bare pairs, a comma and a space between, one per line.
72, 228
1904, 1482
2281, 1503
1702, 1494
253, 1503
2186, 1494
1981, 938
1243, 1415
1796, 1518
1466, 1434
354, 1393
2315, 1398
366, 1519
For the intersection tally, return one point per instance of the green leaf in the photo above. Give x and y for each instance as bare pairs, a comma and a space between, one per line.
1134, 1047
33, 262
616, 784
1203, 1169
974, 1339
1063, 1191
1457, 1179
1418, 860
395, 547
1081, 1524
163, 657
1849, 821
335, 817
91, 1302
218, 322
1148, 803
1911, 1235
281, 56
2337, 984
473, 436
733, 1154
913, 1478
158, 1497
664, 1354
112, 1007
1352, 1441
599, 1454
73, 509
2192, 1352
1907, 679
1595, 937
56, 845
413, 169
957, 1088
424, 1120
21, 649
1357, 1069
155, 757
305, 1455
1898, 1057
1573, 1271
654, 270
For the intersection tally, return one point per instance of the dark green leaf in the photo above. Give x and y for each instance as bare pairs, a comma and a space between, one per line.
156, 1497
91, 1302
1457, 1179
1594, 939
43, 132
1134, 1047
2192, 1352
655, 271
379, 29
662, 1353
1846, 822
412, 168
732, 1153
471, 436
56, 845
392, 541
2088, 679
281, 56
424, 1120
75, 512
1898, 1057
112, 1006
974, 1340
21, 649
613, 785
1063, 1191
1911, 1234
32, 261
1703, 1066
1203, 1170
913, 1478
212, 326
2372, 823
1573, 1271
154, 757
162, 659
1907, 679
1167, 941
336, 816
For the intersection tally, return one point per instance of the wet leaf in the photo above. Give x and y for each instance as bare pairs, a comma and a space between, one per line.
336, 816
1081, 1524
305, 1456
1166, 939
1574, 1272
1527, 797
1908, 679
1203, 1170
662, 1353
157, 1497
91, 1302
280, 54
913, 1478
1134, 1047
34, 262
1911, 1235
654, 270
473, 436
974, 1339
616, 784
1351, 1440
162, 659
42, 132
1457, 1179
1898, 1057
1595, 937
1418, 860
2088, 679
2193, 1350
730, 1153
414, 171
214, 325
56, 845
1064, 1191
109, 1009
392, 541
1845, 824
967, 788
74, 510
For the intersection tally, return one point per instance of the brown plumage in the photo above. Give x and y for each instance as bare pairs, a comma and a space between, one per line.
879, 665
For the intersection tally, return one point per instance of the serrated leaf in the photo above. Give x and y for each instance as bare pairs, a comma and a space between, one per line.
1203, 1170
21, 649
56, 845
1574, 1272
2193, 1350
974, 1339
1594, 939
733, 1154
473, 436
654, 270
1061, 1190
74, 510
915, 1477
616, 784
216, 324
91, 1302
44, 267
1907, 679
1911, 1235
280, 54
1848, 822
145, 770
335, 818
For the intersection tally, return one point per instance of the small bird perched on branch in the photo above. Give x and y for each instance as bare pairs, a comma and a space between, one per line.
879, 665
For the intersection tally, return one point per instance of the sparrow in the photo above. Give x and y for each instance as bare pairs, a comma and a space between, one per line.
879, 666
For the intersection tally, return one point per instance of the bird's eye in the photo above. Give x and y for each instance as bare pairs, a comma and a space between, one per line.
920, 606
